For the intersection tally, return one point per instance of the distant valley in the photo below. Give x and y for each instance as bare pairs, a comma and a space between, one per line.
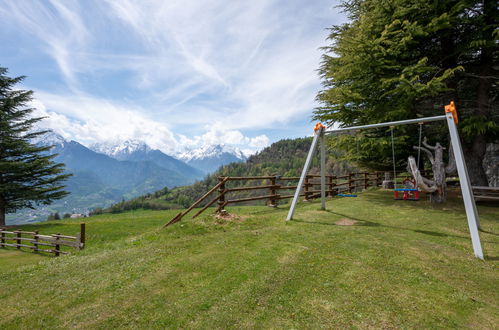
104, 174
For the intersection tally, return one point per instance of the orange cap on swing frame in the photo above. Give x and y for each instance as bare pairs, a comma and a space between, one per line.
318, 126
452, 109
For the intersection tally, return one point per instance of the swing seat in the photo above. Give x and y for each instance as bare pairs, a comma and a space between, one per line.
409, 194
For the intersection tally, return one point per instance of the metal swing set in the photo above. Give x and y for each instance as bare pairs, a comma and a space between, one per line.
450, 117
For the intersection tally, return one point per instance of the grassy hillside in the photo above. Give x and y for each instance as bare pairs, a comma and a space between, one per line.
401, 265
285, 157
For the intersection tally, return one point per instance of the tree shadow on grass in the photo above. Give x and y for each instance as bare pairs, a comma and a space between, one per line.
487, 232
368, 223
432, 233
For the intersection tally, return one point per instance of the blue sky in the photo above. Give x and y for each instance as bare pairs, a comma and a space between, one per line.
172, 73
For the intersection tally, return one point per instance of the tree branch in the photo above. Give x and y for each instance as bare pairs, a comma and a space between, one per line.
421, 181
427, 145
428, 153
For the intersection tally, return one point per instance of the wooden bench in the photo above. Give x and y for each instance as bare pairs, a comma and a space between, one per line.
486, 194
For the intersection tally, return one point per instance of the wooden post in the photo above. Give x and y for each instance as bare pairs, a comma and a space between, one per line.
366, 180
221, 191
272, 200
3, 238
35, 243
305, 188
18, 241
350, 188
82, 236
331, 185
57, 246
378, 179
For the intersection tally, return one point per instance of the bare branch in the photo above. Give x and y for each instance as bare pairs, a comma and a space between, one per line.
427, 145
421, 182
428, 153
428, 181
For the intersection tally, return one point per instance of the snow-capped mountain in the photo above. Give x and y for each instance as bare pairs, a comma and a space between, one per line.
209, 158
50, 139
193, 162
120, 151
136, 151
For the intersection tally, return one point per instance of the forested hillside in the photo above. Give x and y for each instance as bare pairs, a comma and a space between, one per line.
285, 157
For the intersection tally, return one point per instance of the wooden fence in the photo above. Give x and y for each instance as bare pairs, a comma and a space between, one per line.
36, 242
276, 188
486, 194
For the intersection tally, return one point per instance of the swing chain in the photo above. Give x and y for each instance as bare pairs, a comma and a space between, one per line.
393, 159
419, 145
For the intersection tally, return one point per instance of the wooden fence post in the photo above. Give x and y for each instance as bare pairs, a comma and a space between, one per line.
35, 243
57, 246
3, 238
378, 179
305, 188
273, 191
350, 188
331, 185
18, 241
221, 191
81, 246
366, 180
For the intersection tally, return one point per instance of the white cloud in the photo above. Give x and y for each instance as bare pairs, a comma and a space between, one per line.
148, 70
219, 135
89, 120
259, 141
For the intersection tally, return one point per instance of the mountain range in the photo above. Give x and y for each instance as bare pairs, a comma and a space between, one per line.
104, 174
209, 158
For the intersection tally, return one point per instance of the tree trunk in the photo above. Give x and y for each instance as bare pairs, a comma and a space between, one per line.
437, 186
475, 152
474, 155
2, 214
440, 195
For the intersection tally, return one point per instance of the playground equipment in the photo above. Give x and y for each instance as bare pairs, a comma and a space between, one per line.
320, 131
408, 193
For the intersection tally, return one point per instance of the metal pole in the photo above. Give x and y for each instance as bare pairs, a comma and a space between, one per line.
464, 181
323, 170
391, 123
303, 175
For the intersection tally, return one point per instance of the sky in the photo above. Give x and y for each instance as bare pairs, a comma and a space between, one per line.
174, 74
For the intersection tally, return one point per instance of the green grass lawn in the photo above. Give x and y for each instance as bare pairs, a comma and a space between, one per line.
401, 265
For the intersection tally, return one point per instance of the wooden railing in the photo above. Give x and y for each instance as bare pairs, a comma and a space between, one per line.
36, 242
486, 194
277, 188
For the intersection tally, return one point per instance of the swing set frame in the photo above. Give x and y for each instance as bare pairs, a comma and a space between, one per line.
450, 117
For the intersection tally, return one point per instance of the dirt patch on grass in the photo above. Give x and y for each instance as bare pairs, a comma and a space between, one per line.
345, 222
223, 218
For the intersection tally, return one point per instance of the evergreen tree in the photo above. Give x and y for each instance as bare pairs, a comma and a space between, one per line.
28, 176
408, 58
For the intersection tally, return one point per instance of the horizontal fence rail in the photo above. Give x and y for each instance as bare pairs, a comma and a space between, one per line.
42, 243
274, 188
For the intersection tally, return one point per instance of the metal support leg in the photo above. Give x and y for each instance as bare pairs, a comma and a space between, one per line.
323, 170
467, 192
303, 175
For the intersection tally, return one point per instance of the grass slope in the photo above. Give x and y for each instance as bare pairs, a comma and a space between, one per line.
402, 265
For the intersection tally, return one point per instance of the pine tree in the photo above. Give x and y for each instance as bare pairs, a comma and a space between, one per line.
28, 176
403, 59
